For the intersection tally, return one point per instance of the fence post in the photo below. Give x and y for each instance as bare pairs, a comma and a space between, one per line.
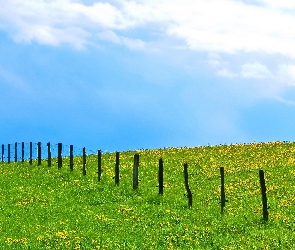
15, 152
59, 155
189, 193
31, 152
222, 192
8, 153
117, 169
49, 154
84, 161
39, 154
23, 151
263, 193
160, 177
99, 169
2, 152
135, 171
71, 158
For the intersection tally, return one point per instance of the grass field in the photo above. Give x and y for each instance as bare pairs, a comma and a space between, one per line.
50, 208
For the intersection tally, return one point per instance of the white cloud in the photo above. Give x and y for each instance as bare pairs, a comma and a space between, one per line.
132, 44
214, 63
231, 27
53, 36
255, 70
56, 22
203, 25
109, 36
214, 60
227, 30
226, 73
282, 4
286, 74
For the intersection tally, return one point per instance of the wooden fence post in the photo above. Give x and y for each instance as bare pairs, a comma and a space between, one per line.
161, 176
84, 161
49, 154
135, 171
59, 155
23, 151
71, 158
189, 193
39, 154
263, 193
117, 169
15, 152
31, 152
2, 152
222, 192
8, 154
99, 169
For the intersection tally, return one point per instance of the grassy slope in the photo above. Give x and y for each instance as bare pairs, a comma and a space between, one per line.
43, 207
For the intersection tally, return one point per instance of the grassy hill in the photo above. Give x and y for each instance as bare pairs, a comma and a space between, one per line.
51, 208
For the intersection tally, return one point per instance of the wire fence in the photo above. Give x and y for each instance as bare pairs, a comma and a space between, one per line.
37, 151
18, 152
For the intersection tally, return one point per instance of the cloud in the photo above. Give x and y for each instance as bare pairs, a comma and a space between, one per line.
286, 74
283, 4
248, 39
232, 27
255, 70
57, 22
53, 36
110, 36
132, 44
203, 25
226, 73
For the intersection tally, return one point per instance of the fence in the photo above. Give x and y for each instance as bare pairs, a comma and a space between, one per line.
21, 152
28, 152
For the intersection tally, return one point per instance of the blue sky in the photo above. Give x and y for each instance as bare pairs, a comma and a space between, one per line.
119, 75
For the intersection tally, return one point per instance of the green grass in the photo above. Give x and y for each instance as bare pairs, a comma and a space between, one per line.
50, 208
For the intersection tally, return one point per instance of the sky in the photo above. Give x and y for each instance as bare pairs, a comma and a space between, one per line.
143, 74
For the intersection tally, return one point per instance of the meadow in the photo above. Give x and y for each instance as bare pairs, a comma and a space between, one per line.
45, 207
